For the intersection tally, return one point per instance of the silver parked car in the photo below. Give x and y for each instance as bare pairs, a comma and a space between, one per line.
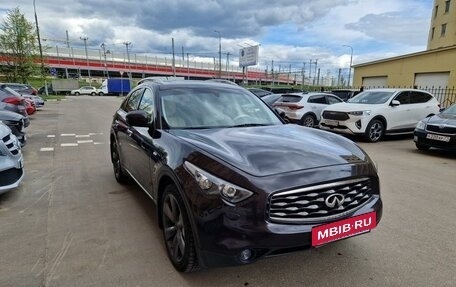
11, 161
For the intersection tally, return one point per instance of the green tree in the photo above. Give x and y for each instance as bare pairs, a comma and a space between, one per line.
18, 47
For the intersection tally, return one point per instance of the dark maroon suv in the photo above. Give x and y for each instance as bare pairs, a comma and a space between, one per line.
232, 182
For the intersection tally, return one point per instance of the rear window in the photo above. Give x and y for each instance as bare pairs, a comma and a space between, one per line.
290, 98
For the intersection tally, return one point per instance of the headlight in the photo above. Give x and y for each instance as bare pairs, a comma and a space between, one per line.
213, 185
360, 113
421, 125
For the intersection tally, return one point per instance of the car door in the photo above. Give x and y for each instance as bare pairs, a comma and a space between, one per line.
399, 118
143, 154
316, 104
422, 105
124, 132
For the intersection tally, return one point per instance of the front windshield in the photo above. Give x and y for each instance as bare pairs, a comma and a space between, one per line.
186, 108
11, 91
451, 111
371, 97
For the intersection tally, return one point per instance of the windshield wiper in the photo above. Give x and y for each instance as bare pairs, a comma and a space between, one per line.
249, 125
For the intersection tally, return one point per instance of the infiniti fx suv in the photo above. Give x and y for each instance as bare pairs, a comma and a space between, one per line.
232, 182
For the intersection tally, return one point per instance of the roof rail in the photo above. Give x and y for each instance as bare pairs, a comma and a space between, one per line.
160, 79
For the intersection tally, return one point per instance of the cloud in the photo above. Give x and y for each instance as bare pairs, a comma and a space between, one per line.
393, 27
290, 31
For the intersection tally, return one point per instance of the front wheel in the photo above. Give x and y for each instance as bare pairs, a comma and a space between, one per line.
76, 94
374, 131
177, 231
93, 94
101, 94
119, 174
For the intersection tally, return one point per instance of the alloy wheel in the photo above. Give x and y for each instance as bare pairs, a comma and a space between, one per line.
375, 131
308, 122
174, 228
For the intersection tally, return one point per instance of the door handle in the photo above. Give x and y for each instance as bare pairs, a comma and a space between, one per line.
129, 132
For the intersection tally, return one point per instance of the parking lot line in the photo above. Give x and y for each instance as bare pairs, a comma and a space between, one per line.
47, 149
67, 135
68, 144
85, 141
51, 136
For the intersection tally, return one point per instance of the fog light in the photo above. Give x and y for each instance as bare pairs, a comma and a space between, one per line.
246, 255
358, 124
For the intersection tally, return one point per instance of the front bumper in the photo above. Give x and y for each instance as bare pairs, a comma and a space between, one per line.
263, 239
11, 164
420, 137
223, 232
355, 125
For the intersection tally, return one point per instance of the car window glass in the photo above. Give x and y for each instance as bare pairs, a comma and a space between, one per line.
147, 103
403, 98
320, 99
371, 97
290, 98
332, 100
133, 100
210, 107
419, 97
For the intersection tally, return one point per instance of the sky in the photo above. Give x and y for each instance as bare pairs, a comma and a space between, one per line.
289, 32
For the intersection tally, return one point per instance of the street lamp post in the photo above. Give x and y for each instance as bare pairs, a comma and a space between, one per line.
351, 62
41, 49
220, 53
127, 44
105, 52
87, 57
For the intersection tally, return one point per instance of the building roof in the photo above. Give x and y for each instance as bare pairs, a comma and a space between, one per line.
406, 56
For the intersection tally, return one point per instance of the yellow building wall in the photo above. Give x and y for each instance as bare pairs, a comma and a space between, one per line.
439, 17
401, 71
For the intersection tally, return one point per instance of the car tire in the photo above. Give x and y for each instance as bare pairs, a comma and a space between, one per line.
119, 172
177, 231
93, 94
374, 131
76, 94
101, 94
308, 120
422, 147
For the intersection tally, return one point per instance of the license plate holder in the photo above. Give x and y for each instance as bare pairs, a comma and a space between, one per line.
344, 228
332, 123
438, 137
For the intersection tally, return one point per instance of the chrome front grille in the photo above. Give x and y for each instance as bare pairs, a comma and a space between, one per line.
308, 204
11, 144
443, 129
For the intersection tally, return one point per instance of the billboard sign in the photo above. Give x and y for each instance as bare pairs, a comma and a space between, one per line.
248, 56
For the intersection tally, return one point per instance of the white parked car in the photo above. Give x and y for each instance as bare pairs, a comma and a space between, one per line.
11, 162
304, 108
87, 90
374, 113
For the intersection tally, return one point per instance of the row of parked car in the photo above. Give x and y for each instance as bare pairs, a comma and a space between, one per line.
371, 114
17, 103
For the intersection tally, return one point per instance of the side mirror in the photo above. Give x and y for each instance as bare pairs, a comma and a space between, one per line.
395, 103
137, 119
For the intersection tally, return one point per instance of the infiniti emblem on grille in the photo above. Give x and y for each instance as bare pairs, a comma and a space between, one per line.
335, 200
442, 126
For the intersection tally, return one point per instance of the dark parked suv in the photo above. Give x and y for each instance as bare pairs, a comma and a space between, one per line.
232, 182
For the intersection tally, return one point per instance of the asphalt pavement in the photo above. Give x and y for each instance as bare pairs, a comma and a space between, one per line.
71, 224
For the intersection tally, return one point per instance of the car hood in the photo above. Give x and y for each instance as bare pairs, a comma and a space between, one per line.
348, 107
10, 116
440, 119
4, 130
263, 151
